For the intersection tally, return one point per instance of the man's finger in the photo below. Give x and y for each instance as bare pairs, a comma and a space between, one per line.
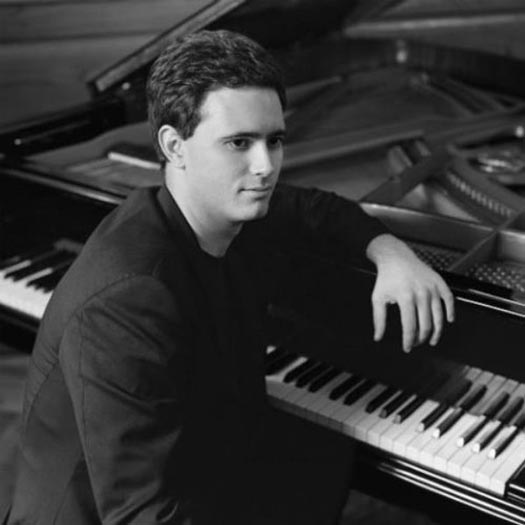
424, 318
437, 317
409, 323
448, 299
379, 314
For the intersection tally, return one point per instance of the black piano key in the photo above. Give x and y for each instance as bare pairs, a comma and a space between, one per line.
458, 392
504, 419
472, 432
295, 372
473, 398
484, 440
453, 397
359, 391
272, 354
35, 262
448, 423
340, 390
31, 254
324, 379
514, 407
477, 393
58, 268
498, 403
520, 421
415, 386
281, 362
38, 264
49, 282
409, 409
395, 403
500, 447
380, 399
431, 418
425, 394
311, 374
490, 412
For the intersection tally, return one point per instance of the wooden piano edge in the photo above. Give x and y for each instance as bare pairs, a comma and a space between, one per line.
510, 508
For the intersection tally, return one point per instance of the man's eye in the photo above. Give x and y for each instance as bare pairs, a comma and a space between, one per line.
239, 143
275, 142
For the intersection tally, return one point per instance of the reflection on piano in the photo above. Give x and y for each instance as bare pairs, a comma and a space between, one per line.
414, 131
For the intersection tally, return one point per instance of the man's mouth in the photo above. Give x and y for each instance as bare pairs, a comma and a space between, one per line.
261, 189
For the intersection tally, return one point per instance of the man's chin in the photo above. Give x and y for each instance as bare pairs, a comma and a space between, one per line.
255, 211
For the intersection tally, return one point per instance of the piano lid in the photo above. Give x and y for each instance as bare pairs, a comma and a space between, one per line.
275, 23
140, 59
493, 26
371, 33
117, 92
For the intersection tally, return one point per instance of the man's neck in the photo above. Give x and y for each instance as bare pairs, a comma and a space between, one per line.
213, 237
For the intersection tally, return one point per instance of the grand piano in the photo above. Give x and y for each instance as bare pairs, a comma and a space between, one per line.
428, 135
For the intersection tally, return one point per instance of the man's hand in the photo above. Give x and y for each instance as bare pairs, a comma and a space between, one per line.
417, 289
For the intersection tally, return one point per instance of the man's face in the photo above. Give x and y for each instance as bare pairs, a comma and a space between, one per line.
234, 157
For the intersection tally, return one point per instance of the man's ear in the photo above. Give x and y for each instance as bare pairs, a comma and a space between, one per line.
171, 144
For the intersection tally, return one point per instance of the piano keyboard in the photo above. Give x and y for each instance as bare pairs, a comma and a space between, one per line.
463, 422
28, 280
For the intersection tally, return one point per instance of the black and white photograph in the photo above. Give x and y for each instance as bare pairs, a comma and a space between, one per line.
262, 262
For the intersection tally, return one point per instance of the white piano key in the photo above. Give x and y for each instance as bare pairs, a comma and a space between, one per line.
399, 438
311, 402
509, 386
497, 387
354, 424
487, 430
403, 439
370, 420
514, 460
323, 398
493, 388
449, 446
457, 460
429, 453
19, 295
343, 417
275, 387
489, 468
437, 451
374, 433
16, 266
422, 440
470, 468
324, 391
293, 393
327, 411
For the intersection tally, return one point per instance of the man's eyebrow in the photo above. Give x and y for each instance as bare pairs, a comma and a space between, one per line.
255, 135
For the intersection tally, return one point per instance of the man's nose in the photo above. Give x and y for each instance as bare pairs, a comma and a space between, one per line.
262, 161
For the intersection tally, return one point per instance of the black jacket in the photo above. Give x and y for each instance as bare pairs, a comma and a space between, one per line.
134, 414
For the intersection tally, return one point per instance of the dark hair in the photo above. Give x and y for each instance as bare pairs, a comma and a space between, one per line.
190, 67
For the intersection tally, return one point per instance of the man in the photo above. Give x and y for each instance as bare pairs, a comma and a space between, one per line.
145, 400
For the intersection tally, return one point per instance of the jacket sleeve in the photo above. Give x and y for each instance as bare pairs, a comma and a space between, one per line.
123, 357
318, 219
